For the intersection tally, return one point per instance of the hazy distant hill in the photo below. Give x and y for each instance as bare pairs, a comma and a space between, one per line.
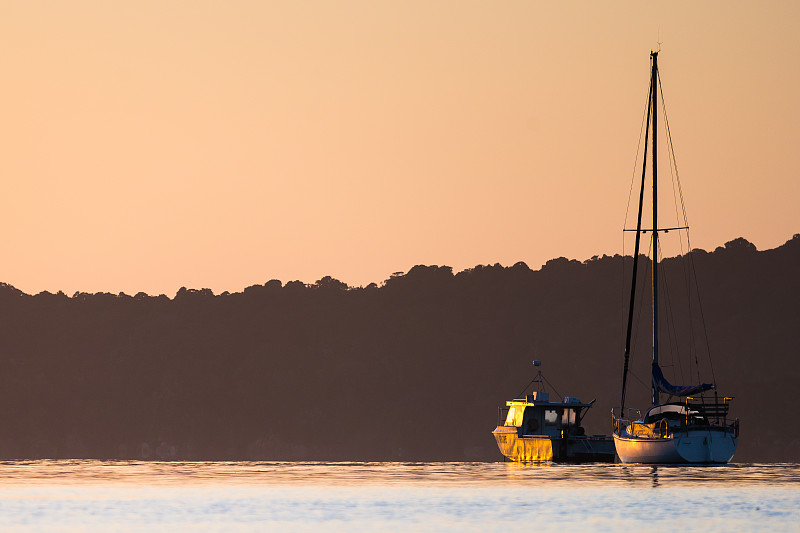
413, 369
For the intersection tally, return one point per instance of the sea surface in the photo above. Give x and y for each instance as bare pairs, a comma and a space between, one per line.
231, 497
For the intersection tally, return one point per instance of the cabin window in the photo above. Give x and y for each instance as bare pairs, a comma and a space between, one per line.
514, 417
568, 418
550, 417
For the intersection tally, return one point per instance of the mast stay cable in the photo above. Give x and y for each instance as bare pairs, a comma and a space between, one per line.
674, 165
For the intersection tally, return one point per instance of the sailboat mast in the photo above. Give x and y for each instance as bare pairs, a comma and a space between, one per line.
653, 99
632, 303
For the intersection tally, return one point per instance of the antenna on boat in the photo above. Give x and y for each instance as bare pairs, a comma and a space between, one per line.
539, 379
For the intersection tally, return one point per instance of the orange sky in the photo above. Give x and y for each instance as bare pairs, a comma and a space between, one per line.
150, 145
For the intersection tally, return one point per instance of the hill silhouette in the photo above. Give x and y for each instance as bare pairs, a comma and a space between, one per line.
413, 369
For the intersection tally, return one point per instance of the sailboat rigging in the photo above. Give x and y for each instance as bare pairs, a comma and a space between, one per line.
694, 430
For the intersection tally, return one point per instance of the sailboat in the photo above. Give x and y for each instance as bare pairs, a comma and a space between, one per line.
692, 425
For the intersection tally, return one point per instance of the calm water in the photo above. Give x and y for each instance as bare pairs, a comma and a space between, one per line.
352, 497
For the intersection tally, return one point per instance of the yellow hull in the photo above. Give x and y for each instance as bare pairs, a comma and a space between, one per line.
528, 448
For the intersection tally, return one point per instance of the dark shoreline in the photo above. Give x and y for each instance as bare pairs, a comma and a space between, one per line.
411, 370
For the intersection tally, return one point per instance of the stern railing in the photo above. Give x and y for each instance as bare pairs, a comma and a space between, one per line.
624, 418
502, 413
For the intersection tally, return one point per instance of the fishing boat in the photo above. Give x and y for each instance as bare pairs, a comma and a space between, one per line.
534, 429
691, 426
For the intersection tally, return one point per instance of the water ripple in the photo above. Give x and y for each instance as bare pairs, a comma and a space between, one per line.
70, 472
232, 497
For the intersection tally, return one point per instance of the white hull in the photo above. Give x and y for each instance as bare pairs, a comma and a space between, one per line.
695, 446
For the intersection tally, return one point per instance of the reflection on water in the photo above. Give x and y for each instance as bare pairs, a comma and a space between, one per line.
247, 496
66, 472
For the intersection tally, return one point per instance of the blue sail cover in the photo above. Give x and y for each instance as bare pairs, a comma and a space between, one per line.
660, 383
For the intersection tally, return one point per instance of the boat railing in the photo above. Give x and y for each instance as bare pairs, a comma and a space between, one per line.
502, 413
717, 410
663, 428
625, 417
629, 413
729, 424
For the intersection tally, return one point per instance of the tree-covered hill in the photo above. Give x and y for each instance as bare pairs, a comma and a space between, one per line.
413, 369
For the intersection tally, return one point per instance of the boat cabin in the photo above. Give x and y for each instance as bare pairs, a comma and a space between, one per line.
537, 415
686, 414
